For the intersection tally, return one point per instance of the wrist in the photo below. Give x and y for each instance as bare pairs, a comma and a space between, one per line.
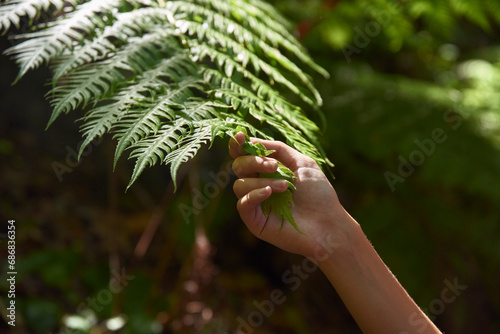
337, 243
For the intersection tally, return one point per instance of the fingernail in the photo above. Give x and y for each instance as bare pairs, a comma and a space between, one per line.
280, 183
264, 191
270, 164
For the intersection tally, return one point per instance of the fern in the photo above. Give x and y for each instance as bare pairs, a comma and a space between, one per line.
126, 25
94, 81
44, 45
166, 77
12, 12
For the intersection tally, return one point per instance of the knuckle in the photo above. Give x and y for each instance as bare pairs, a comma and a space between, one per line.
235, 166
236, 186
239, 205
309, 161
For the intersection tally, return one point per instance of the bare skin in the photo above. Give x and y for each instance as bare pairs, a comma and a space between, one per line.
332, 238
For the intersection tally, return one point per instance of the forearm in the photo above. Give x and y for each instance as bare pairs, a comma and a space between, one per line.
331, 238
376, 300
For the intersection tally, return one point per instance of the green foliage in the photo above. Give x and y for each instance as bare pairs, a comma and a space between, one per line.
279, 203
434, 64
166, 77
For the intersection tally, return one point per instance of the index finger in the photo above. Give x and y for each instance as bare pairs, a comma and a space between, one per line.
236, 148
284, 153
287, 155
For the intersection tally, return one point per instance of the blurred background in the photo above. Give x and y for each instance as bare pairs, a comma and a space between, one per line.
412, 125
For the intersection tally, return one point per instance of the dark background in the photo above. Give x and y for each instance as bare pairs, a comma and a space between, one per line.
430, 65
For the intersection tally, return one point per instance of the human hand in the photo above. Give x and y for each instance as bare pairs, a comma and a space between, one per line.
317, 210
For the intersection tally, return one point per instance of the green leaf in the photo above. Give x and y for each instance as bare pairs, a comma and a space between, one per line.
257, 149
280, 204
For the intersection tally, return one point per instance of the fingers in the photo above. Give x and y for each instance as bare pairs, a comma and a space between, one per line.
250, 166
235, 148
284, 153
249, 208
242, 187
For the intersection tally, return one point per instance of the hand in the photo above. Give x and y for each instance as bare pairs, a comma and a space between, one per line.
376, 300
317, 211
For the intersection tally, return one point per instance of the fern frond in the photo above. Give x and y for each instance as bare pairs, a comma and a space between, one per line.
198, 109
241, 10
138, 124
166, 77
12, 11
91, 83
269, 11
244, 43
155, 148
42, 46
264, 96
254, 30
231, 122
188, 146
245, 55
100, 120
295, 138
228, 64
125, 26
301, 143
